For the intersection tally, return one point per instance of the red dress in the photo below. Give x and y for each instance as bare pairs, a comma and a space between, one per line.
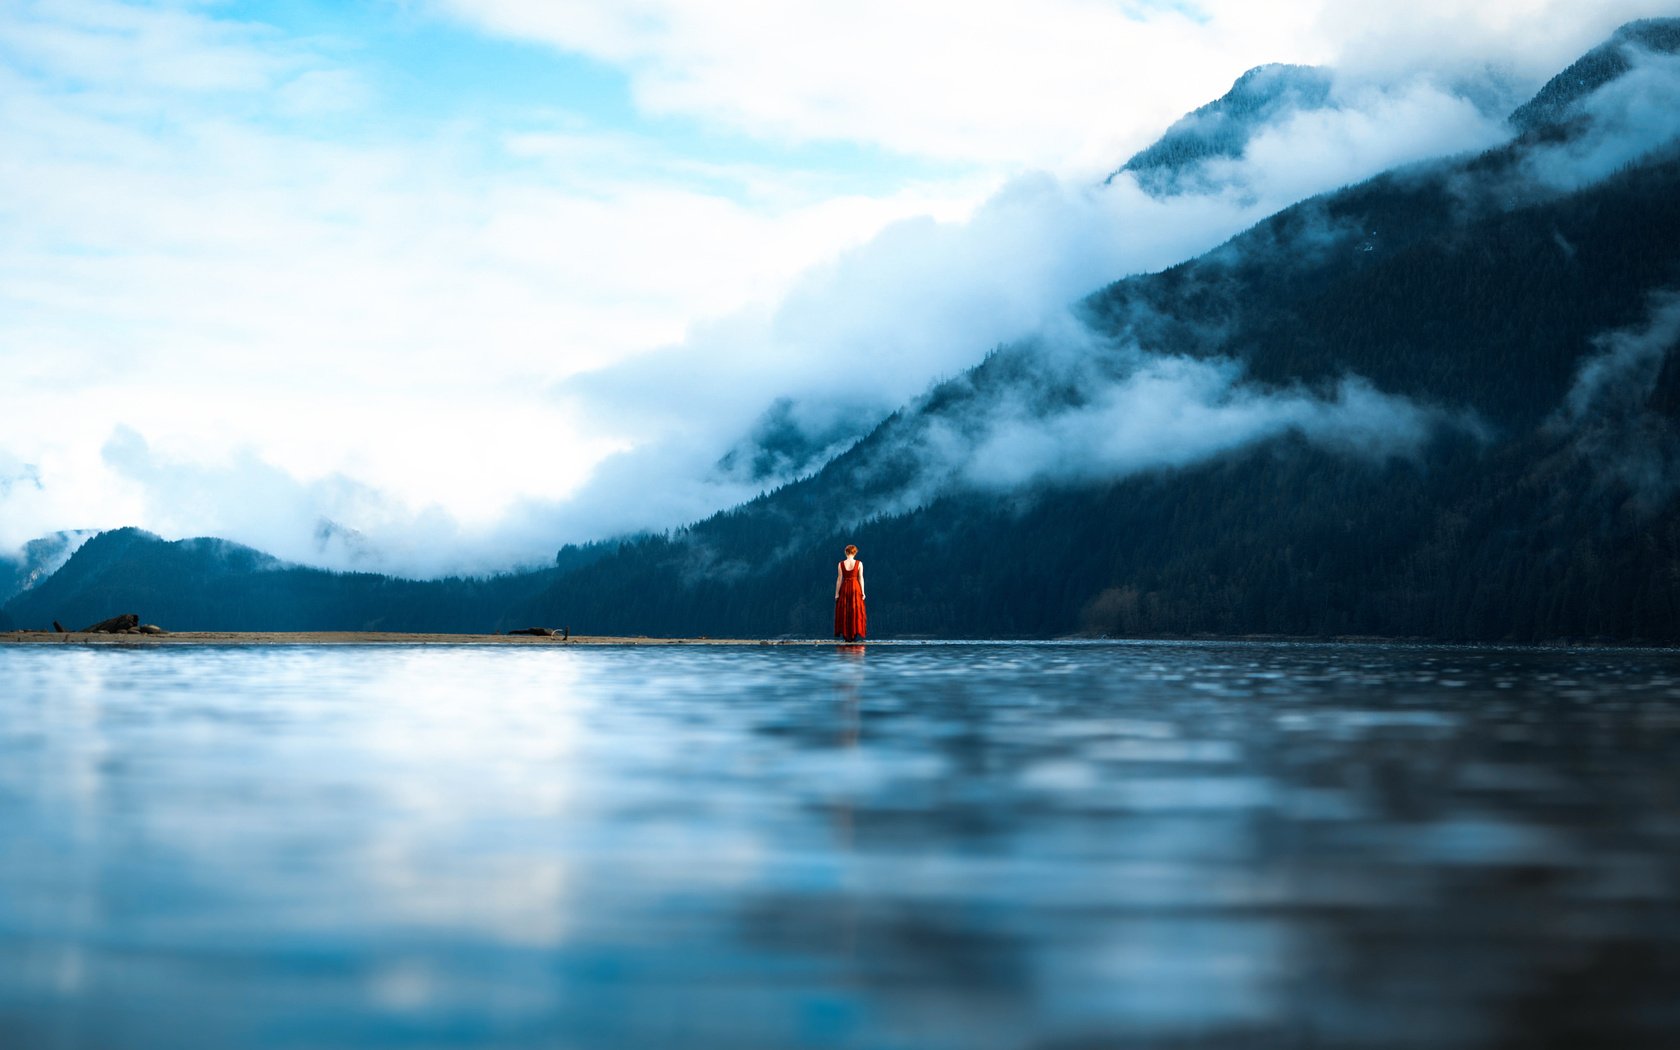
850, 621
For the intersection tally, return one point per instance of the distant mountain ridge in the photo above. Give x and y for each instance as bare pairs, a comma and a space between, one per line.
212, 584
1472, 369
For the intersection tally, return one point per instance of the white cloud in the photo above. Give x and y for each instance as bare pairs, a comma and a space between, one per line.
134, 49
1529, 39
1068, 85
1624, 373
1174, 412
1630, 118
1611, 421
202, 260
997, 82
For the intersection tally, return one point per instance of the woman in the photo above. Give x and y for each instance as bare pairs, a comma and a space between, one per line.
849, 618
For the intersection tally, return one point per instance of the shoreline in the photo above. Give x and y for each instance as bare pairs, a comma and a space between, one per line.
252, 638
237, 639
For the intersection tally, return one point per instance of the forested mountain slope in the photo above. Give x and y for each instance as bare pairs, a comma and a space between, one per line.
1469, 370
1613, 58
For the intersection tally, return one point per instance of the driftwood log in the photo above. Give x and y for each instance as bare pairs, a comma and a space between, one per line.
115, 625
127, 623
564, 633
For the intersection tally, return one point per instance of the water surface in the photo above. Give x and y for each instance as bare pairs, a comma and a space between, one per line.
967, 845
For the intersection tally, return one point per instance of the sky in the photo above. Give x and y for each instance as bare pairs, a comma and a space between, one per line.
439, 285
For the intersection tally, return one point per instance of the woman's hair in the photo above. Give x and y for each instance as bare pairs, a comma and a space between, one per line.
851, 549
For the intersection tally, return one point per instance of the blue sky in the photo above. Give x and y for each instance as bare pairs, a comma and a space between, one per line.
425, 69
266, 264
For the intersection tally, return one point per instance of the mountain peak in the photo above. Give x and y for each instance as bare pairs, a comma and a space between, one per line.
1598, 67
1224, 127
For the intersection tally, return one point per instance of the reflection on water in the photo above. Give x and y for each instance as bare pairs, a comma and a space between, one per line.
1107, 845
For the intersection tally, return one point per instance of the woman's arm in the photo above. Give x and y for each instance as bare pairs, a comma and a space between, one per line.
863, 592
838, 574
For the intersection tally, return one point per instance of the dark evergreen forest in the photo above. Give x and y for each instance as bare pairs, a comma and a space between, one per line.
213, 585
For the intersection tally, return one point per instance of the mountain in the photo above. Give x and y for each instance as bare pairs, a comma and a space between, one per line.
211, 584
37, 560
793, 437
1511, 325
779, 444
1179, 161
1563, 93
1441, 403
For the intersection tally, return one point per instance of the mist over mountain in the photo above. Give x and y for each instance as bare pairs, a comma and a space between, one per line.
1391, 381
1558, 99
1221, 130
863, 335
38, 560
1440, 402
742, 402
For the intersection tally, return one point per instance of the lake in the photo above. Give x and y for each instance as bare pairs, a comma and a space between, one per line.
920, 846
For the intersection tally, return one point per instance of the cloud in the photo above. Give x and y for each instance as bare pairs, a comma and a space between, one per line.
1060, 84
997, 83
1608, 417
36, 560
1174, 412
1621, 123
132, 49
333, 521
1624, 372
751, 401
217, 239
1074, 408
1530, 40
